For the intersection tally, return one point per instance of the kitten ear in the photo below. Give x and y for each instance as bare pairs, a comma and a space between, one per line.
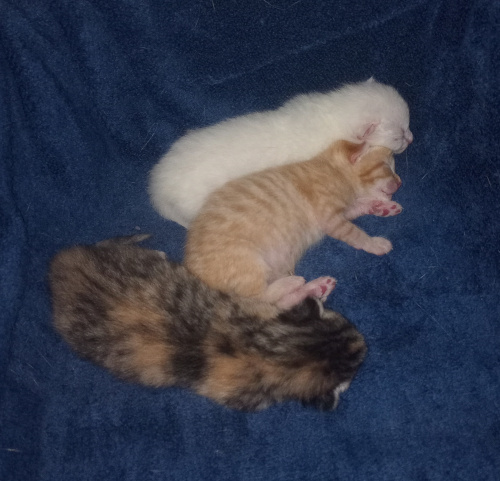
370, 80
354, 151
307, 310
367, 130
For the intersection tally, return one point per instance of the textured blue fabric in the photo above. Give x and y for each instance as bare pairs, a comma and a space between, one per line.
92, 93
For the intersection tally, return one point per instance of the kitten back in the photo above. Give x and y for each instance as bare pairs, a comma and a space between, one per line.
204, 159
148, 320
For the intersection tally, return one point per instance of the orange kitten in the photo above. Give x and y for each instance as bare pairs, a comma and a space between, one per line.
251, 232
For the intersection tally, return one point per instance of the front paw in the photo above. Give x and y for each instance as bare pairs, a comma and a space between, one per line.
384, 208
326, 402
378, 246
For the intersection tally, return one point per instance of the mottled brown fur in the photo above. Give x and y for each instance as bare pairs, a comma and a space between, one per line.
150, 321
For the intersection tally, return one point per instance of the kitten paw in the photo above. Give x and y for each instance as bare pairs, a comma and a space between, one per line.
385, 209
378, 246
326, 402
320, 288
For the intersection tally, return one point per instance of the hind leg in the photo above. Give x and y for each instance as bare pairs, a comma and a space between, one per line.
283, 287
289, 291
320, 288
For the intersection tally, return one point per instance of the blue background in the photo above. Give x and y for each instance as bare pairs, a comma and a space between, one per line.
92, 93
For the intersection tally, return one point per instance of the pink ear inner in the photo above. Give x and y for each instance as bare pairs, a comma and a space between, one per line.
369, 130
356, 154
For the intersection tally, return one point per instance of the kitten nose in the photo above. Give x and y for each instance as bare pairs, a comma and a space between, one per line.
409, 137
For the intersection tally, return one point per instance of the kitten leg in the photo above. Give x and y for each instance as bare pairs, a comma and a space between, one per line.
319, 288
346, 231
277, 289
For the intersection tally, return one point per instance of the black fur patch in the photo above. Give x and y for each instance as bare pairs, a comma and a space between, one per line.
307, 309
224, 346
189, 368
327, 402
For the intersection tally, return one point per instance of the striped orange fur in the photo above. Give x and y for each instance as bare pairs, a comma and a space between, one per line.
250, 233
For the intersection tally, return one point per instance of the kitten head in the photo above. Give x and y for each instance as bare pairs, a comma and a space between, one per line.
385, 113
307, 353
372, 169
388, 132
326, 337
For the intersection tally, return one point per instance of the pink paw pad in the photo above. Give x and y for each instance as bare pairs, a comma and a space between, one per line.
330, 285
320, 287
384, 209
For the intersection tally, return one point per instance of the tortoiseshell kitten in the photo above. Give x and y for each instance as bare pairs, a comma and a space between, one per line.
251, 232
148, 320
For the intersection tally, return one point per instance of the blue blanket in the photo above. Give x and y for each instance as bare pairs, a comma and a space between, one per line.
92, 93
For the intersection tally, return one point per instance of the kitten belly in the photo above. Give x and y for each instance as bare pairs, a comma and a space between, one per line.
282, 257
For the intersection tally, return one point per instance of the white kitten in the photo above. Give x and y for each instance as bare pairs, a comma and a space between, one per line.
205, 159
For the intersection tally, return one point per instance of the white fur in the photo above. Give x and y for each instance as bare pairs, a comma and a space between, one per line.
205, 159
